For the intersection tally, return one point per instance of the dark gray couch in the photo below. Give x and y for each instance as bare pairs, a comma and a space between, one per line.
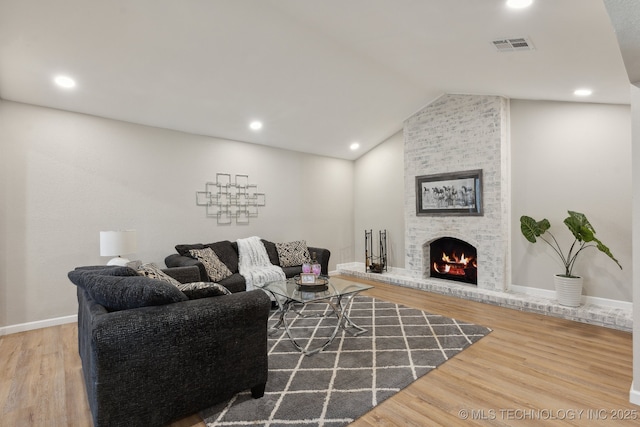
227, 252
170, 356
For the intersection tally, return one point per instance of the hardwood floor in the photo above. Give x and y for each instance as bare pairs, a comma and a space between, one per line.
531, 370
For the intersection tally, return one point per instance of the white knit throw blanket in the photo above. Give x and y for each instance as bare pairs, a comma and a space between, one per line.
254, 263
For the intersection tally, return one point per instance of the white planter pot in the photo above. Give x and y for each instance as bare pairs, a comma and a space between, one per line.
568, 290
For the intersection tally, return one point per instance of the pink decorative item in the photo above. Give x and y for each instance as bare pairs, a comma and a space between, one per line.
306, 267
315, 268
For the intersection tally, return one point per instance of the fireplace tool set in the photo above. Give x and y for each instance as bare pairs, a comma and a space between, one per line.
375, 264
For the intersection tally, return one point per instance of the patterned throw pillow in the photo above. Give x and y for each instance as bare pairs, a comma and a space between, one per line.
152, 271
216, 269
203, 290
293, 253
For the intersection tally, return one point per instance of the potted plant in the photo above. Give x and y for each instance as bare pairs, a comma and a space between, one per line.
568, 286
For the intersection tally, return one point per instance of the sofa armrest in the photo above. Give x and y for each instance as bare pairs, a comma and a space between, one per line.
154, 364
322, 255
185, 274
177, 260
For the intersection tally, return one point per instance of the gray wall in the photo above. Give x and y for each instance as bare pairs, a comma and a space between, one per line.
67, 176
572, 156
378, 196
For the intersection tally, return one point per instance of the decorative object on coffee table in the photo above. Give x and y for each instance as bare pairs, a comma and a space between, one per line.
316, 268
309, 282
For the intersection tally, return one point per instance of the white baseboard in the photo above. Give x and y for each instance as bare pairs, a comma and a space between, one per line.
634, 395
549, 294
22, 327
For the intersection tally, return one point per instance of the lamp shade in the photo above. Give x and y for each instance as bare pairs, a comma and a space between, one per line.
116, 243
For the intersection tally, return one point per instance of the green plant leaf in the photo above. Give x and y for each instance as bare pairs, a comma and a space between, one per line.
531, 228
580, 227
606, 251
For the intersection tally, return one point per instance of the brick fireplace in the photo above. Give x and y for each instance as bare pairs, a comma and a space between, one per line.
465, 133
458, 133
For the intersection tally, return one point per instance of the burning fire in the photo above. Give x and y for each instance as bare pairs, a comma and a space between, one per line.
462, 260
453, 264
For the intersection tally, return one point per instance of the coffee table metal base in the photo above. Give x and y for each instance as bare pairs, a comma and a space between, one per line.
339, 308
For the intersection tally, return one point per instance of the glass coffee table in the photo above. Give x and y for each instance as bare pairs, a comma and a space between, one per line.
292, 297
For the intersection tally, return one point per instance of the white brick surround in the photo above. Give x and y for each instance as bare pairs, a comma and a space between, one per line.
458, 133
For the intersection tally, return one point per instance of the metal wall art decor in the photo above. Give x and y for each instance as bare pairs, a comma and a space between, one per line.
228, 200
455, 193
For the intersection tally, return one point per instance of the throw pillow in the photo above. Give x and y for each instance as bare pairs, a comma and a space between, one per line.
216, 269
293, 253
226, 252
124, 293
152, 271
203, 290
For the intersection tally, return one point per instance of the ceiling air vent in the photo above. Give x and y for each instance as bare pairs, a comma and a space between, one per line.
512, 45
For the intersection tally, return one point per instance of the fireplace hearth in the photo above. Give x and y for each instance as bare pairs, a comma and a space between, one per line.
453, 259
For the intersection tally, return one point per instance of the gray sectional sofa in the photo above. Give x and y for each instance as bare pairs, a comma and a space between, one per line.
227, 252
150, 354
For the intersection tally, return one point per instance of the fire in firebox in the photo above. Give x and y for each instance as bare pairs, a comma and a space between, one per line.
454, 265
454, 259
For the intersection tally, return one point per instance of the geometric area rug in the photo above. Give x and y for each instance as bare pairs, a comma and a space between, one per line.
352, 375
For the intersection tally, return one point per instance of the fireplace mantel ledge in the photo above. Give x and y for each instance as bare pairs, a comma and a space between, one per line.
610, 317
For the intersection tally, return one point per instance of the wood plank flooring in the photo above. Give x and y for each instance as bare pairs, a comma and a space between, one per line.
532, 370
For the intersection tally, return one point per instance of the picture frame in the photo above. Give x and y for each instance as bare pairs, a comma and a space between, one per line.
307, 278
449, 194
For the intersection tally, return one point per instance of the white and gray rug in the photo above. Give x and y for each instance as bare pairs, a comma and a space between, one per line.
354, 374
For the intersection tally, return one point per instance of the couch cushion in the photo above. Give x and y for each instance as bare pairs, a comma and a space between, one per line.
216, 269
235, 283
272, 251
109, 270
293, 253
184, 249
126, 292
227, 253
198, 290
292, 271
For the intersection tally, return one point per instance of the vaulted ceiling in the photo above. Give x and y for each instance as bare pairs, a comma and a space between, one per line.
319, 74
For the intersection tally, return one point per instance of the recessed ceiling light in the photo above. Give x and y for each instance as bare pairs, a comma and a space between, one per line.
64, 81
256, 125
519, 4
582, 92
354, 146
